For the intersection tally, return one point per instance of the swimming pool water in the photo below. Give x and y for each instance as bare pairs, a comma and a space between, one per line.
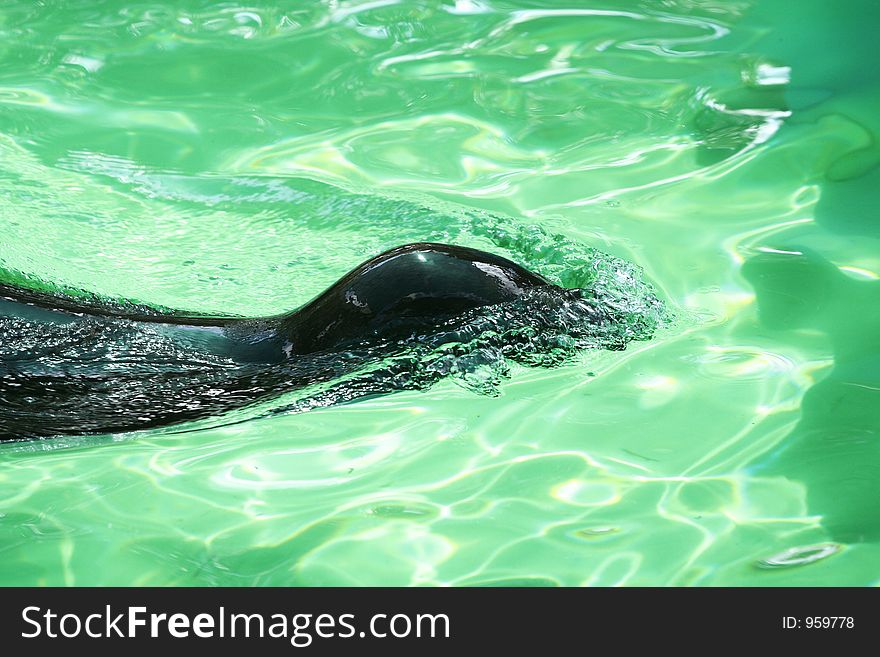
216, 157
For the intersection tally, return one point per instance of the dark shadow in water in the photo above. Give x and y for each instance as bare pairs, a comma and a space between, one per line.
850, 194
732, 122
830, 55
835, 448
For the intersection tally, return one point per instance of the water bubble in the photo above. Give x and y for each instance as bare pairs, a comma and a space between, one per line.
596, 532
799, 556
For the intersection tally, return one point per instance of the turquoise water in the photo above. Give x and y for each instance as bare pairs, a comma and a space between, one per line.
223, 158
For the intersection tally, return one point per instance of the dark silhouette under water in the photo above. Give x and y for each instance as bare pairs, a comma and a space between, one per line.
74, 364
834, 451
835, 448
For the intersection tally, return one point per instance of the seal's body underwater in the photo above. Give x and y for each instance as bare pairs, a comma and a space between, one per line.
71, 365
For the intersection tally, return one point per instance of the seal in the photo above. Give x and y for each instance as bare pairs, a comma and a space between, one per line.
392, 293
399, 290
74, 364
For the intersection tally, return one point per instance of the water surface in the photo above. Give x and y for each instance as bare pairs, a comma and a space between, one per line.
224, 158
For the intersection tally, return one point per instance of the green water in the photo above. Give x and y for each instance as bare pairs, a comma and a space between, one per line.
159, 152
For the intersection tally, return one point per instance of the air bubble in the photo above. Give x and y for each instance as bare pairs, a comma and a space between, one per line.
799, 556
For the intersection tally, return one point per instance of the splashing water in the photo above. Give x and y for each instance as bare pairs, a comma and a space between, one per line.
105, 374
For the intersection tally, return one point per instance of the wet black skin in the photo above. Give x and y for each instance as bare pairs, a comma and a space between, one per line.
45, 391
402, 288
392, 293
